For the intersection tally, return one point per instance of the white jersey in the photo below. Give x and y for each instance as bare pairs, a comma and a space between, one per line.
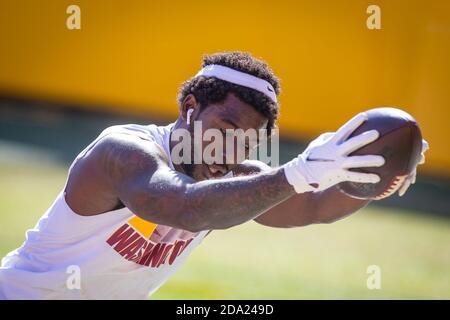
114, 255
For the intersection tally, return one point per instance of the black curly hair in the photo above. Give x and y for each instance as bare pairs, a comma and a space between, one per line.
209, 90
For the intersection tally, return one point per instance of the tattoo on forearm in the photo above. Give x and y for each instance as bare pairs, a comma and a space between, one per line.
236, 200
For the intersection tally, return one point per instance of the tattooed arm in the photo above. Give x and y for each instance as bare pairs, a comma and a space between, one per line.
304, 208
136, 173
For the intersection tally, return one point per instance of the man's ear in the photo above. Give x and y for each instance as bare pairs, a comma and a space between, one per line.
190, 102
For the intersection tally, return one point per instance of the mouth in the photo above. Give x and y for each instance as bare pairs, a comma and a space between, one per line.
213, 172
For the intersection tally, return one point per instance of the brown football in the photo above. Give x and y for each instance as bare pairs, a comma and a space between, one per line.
400, 143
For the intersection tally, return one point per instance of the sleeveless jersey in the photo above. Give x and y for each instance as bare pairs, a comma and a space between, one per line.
113, 255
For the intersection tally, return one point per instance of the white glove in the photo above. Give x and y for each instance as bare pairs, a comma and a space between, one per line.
325, 162
411, 179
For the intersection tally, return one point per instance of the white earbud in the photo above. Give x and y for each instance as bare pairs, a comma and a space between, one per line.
188, 116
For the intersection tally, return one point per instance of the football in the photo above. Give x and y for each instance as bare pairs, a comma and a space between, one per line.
400, 143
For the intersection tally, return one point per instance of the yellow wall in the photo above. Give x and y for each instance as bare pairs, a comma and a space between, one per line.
131, 56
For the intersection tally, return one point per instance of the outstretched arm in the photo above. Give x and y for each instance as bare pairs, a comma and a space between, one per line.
139, 176
314, 207
304, 209
125, 169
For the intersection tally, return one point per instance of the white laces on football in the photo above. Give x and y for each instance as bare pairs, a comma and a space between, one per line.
326, 161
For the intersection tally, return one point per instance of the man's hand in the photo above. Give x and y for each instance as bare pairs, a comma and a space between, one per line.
411, 179
325, 162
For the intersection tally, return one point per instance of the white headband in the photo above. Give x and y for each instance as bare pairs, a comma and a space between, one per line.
240, 78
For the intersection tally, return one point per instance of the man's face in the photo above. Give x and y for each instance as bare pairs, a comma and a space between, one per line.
226, 116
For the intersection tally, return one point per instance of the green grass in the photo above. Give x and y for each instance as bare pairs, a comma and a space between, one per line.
256, 262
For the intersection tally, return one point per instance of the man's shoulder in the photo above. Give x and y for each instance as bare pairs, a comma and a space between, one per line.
110, 160
118, 145
121, 146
